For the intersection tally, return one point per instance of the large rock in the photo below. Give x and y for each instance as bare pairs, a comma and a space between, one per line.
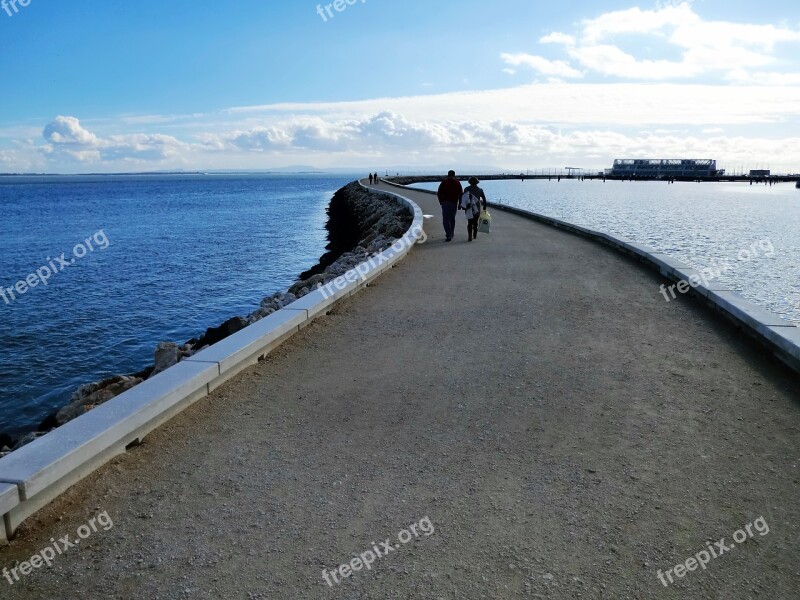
302, 287
27, 439
6, 440
270, 304
217, 334
167, 355
90, 395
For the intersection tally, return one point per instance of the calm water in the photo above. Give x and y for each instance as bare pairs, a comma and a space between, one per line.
183, 253
704, 225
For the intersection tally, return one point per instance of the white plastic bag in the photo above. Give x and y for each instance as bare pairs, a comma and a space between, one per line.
485, 222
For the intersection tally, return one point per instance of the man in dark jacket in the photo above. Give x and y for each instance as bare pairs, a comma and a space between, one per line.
449, 194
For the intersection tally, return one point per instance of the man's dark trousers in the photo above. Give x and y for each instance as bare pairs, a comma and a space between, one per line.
449, 210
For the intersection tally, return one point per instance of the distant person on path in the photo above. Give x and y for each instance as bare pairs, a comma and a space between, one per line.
376, 179
472, 201
370, 178
449, 194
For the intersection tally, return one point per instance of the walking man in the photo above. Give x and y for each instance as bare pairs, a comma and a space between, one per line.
449, 194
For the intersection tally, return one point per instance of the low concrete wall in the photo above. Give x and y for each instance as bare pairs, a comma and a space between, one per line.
779, 336
9, 498
34, 475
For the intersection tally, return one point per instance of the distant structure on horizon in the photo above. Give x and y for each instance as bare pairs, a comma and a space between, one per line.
663, 168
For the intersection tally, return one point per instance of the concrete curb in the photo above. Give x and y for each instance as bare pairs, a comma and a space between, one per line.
779, 336
36, 474
9, 498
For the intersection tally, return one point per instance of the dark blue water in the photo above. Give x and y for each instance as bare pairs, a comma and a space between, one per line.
169, 257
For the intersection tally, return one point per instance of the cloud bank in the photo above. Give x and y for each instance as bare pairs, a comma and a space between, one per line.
653, 82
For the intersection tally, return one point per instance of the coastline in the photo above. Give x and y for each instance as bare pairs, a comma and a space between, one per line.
592, 397
360, 225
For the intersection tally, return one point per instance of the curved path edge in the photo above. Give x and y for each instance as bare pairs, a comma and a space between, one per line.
779, 336
36, 474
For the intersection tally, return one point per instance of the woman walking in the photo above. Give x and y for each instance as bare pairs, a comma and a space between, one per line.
471, 202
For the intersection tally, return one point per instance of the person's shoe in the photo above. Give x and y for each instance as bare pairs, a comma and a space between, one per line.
448, 239
469, 239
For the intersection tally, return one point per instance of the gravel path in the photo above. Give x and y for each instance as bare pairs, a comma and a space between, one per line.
567, 432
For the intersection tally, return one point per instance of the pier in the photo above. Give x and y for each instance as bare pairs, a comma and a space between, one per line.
567, 432
559, 174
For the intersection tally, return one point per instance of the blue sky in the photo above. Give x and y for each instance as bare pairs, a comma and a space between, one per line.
125, 86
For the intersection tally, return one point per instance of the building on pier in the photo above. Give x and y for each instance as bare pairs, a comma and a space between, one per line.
658, 168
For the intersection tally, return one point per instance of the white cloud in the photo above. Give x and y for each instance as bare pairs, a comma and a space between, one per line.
723, 35
258, 139
478, 128
636, 20
610, 60
518, 127
385, 130
557, 68
25, 159
140, 147
558, 38
68, 131
612, 43
624, 104
67, 139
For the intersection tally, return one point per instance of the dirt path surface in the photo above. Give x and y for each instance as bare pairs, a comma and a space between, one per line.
566, 431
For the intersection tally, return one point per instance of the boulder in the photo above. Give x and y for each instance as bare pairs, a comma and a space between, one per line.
6, 440
286, 300
94, 394
48, 423
27, 439
301, 288
216, 334
167, 354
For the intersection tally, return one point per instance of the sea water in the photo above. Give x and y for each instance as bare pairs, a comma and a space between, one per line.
177, 254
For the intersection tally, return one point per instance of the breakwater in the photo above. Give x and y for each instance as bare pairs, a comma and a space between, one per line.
558, 176
359, 225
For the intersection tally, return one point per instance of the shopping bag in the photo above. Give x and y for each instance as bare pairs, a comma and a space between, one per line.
485, 222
